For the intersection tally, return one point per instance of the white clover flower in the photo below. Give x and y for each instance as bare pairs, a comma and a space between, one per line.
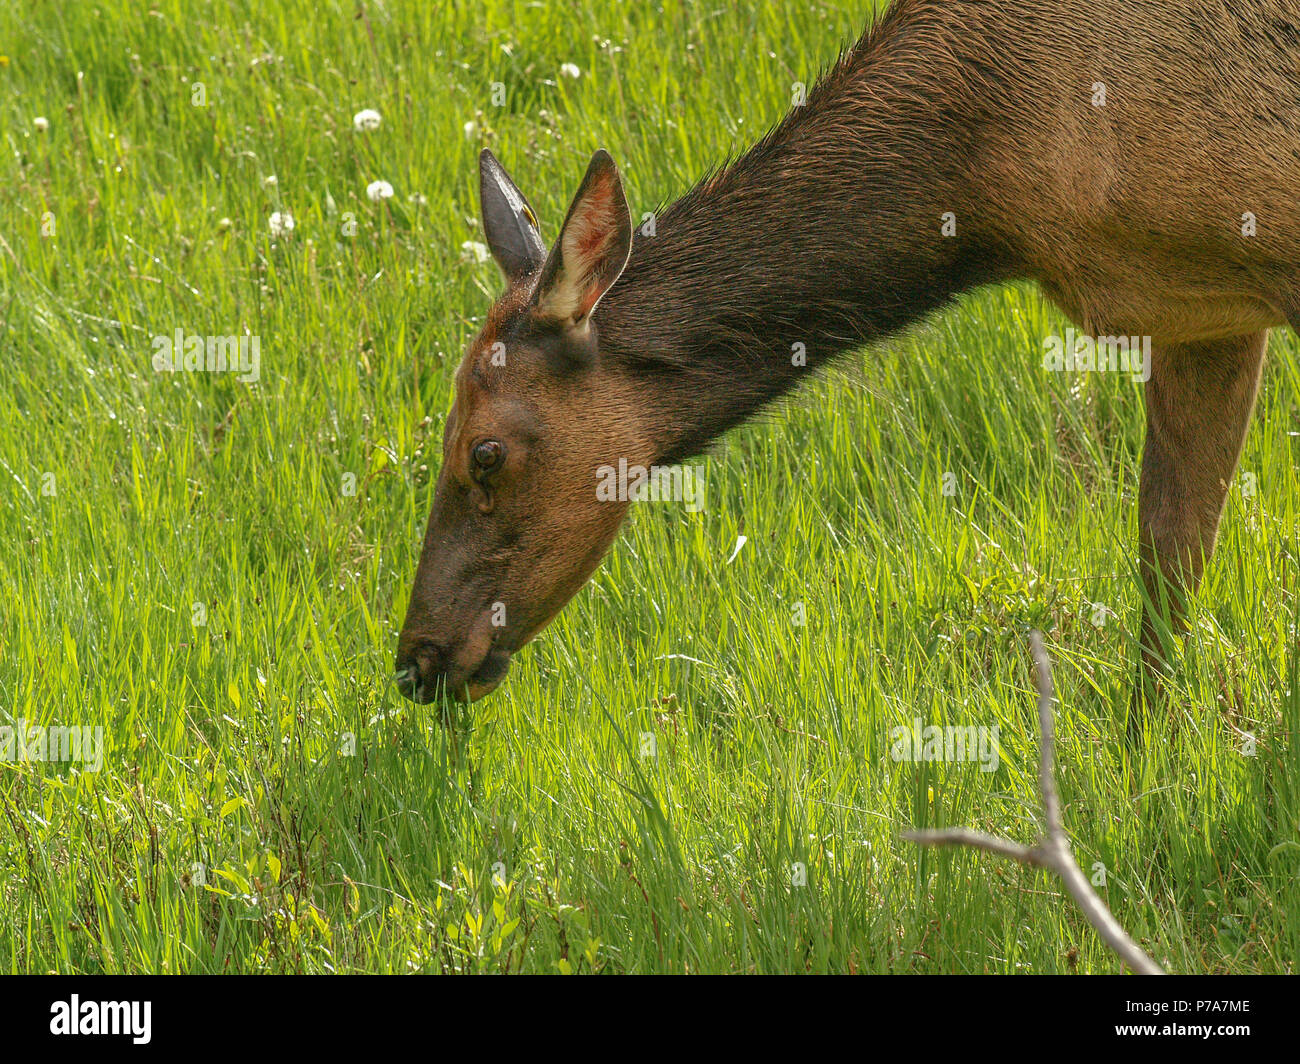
41, 123
270, 181
473, 251
365, 121
281, 223
379, 190
471, 130
570, 70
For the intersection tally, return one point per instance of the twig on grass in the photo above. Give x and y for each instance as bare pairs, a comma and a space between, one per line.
1052, 850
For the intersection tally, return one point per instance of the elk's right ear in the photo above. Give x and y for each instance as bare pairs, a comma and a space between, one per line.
591, 250
508, 221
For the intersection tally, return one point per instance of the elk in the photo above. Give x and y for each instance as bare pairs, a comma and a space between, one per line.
1139, 160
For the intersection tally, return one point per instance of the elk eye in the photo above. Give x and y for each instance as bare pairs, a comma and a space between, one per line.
488, 455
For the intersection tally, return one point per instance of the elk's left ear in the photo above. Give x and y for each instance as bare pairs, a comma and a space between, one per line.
508, 221
591, 250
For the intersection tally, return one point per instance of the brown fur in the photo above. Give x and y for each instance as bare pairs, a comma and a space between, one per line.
827, 233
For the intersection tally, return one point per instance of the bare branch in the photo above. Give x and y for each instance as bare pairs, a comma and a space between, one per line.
1013, 851
1047, 727
1052, 851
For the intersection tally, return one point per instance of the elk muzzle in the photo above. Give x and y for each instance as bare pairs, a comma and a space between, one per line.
463, 671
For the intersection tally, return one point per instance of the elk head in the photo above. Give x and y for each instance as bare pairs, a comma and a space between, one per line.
517, 526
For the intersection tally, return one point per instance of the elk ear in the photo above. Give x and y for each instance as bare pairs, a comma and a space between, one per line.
508, 221
591, 250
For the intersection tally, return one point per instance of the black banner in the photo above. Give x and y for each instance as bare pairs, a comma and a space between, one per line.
358, 1013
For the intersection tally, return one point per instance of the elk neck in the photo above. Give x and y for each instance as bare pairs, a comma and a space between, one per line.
825, 236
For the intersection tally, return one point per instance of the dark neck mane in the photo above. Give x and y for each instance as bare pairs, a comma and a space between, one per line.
826, 234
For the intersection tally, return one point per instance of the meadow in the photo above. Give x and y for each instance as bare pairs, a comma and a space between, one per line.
690, 770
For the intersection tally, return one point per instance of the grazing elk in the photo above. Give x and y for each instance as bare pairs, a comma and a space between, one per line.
1139, 159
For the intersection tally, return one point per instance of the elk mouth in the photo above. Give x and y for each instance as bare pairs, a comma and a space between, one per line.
486, 678
421, 677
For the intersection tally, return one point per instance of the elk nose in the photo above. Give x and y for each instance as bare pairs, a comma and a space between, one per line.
417, 675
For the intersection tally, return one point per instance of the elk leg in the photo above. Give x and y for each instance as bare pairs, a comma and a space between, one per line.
1198, 401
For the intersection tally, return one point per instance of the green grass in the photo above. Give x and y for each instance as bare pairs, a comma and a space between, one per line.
267, 800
